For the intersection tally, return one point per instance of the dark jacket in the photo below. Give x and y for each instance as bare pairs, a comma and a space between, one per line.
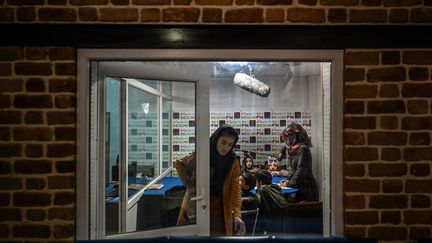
271, 203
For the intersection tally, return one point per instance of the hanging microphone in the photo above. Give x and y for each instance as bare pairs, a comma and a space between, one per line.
251, 84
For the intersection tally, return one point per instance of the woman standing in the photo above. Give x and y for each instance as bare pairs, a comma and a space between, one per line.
225, 200
296, 150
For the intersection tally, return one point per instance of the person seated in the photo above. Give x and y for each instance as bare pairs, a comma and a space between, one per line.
274, 167
271, 203
248, 164
247, 184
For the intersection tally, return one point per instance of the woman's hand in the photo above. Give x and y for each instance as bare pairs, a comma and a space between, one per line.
240, 225
283, 183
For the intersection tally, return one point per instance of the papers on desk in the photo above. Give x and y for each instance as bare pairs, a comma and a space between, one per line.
285, 187
155, 187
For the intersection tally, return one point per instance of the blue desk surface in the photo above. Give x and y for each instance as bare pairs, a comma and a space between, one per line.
174, 182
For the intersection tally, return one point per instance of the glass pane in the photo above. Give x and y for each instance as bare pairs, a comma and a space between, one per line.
166, 134
143, 142
150, 83
112, 152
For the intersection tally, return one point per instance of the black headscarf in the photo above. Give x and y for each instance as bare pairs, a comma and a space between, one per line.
221, 164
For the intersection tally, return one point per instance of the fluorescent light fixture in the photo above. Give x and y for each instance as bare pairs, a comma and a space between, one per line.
251, 84
145, 107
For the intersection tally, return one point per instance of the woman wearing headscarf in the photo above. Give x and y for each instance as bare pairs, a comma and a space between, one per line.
225, 199
297, 151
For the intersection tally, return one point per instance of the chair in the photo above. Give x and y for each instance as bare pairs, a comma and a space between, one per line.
251, 212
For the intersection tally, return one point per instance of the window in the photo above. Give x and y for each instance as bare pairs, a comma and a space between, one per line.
140, 110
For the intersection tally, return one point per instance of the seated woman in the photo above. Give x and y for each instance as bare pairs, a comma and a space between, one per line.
248, 164
247, 183
274, 167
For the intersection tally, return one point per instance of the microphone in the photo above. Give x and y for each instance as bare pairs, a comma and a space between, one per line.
251, 84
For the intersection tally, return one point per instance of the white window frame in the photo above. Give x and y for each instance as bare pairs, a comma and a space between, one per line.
332, 206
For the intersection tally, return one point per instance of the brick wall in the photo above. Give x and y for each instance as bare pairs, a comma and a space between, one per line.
218, 11
387, 144
37, 143
387, 126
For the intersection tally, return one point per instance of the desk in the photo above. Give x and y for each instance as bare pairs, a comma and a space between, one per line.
285, 190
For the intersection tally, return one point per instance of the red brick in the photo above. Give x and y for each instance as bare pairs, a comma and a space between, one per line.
308, 2
421, 15
389, 122
274, 15
33, 68
398, 16
417, 90
35, 215
35, 184
421, 138
420, 170
417, 106
418, 73
354, 138
245, 15
62, 85
88, 2
417, 123
337, 15
390, 217
388, 201
33, 101
362, 58
354, 202
35, 85
363, 217
10, 214
118, 14
62, 53
65, 69
360, 91
355, 232
58, 117
57, 14
33, 133
6, 14
4, 200
5, 167
10, 53
65, 101
387, 138
26, 14
387, 170
417, 57
306, 15
57, 2
386, 74
420, 201
386, 106
120, 2
182, 2
354, 74
403, 3
392, 186
417, 233
151, 15
65, 133
33, 166
10, 150
354, 107
388, 233
31, 231
245, 2
34, 150
360, 122
212, 15
362, 185
65, 166
31, 199
5, 69
34, 117
5, 134
87, 14
64, 231
61, 182
25, 2
418, 186
418, 217
390, 57
61, 213
36, 53
5, 101
11, 85
274, 2
361, 154
354, 170
64, 198
339, 2
60, 150
367, 16
389, 90
150, 2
